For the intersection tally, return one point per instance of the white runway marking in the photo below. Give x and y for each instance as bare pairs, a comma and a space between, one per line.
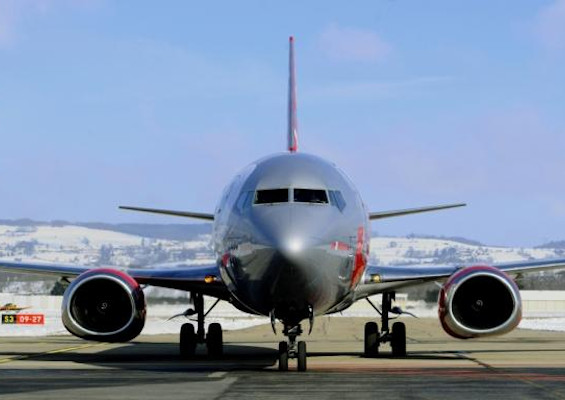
217, 374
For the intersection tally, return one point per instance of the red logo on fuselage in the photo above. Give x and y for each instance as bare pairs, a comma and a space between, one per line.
360, 258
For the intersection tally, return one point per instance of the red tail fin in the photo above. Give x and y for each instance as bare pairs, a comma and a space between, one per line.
292, 119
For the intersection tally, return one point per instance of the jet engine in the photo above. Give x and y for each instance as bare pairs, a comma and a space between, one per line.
106, 305
479, 301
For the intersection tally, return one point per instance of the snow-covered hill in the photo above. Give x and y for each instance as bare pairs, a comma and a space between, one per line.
79, 245
74, 244
397, 251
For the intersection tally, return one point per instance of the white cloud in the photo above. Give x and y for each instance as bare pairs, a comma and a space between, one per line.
550, 25
353, 44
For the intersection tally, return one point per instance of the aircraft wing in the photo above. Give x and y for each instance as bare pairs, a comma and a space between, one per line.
380, 279
204, 279
407, 211
175, 213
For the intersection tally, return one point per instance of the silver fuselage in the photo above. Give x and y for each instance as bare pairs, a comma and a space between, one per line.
291, 258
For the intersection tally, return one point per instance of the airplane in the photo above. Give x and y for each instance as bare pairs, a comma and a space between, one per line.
11, 307
291, 241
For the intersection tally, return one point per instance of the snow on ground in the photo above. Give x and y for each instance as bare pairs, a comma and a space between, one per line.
70, 235
543, 324
231, 319
76, 245
540, 320
224, 313
157, 321
399, 250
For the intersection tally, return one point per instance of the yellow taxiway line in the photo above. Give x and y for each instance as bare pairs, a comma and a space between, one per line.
63, 350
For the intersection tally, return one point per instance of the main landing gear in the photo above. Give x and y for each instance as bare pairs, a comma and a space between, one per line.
189, 338
292, 349
396, 336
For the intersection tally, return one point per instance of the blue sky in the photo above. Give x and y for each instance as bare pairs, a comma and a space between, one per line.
159, 104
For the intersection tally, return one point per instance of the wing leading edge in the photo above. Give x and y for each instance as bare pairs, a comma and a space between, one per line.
407, 211
379, 279
199, 278
175, 213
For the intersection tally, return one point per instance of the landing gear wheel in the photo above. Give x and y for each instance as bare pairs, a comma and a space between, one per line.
187, 341
301, 354
283, 356
398, 339
371, 339
214, 340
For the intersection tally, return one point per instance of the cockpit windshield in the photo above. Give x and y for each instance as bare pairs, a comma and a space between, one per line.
299, 195
317, 196
270, 196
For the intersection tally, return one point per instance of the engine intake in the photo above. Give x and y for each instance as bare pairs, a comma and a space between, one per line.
105, 305
479, 301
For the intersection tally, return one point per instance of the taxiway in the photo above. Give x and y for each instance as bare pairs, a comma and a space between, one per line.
522, 364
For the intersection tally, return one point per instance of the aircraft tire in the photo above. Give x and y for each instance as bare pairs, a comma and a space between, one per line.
371, 339
301, 354
283, 356
214, 340
398, 340
187, 342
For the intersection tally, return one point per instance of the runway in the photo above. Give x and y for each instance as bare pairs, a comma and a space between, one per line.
524, 364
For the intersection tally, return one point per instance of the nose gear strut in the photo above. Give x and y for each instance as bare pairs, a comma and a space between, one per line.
273, 321
310, 319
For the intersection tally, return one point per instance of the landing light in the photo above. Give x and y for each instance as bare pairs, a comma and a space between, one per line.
209, 278
295, 245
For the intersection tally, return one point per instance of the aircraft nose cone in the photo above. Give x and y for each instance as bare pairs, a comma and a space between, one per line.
295, 250
288, 235
292, 268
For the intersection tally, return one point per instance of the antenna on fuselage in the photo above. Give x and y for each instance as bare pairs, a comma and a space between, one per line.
292, 119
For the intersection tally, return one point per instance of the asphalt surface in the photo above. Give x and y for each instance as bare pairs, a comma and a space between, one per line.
524, 364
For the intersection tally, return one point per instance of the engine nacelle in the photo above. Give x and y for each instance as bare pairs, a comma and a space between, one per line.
103, 304
479, 301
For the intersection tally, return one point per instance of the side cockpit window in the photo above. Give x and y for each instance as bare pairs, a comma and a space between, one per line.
244, 201
316, 196
336, 199
271, 196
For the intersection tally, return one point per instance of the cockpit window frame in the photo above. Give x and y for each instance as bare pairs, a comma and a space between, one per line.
256, 195
333, 198
337, 200
244, 200
326, 202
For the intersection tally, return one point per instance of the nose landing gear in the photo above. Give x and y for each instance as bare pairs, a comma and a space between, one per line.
396, 336
189, 338
292, 349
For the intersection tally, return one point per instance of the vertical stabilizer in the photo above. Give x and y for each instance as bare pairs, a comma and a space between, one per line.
292, 120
